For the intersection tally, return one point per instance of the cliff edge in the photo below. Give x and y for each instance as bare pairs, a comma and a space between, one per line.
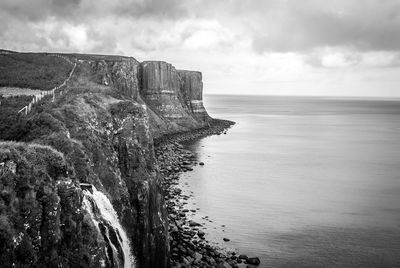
79, 183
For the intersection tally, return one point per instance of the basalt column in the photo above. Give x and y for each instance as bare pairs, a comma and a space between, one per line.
192, 93
159, 88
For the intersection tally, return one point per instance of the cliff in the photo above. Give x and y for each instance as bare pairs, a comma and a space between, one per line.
170, 94
192, 93
80, 186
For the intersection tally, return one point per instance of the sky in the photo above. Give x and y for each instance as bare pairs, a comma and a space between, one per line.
271, 47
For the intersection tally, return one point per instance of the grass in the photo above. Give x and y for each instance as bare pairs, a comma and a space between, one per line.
36, 71
28, 196
14, 126
26, 70
9, 118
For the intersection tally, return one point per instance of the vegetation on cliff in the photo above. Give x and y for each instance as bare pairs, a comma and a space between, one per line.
41, 224
31, 70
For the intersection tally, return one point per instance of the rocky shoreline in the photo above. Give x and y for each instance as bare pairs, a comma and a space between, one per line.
188, 245
214, 127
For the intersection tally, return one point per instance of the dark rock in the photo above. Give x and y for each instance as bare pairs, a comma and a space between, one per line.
188, 167
193, 223
198, 256
225, 265
200, 233
86, 186
253, 261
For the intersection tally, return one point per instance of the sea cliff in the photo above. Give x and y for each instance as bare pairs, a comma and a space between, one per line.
82, 163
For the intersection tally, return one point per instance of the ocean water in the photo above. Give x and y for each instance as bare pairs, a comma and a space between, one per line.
302, 182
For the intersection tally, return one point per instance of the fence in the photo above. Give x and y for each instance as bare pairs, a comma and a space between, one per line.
51, 92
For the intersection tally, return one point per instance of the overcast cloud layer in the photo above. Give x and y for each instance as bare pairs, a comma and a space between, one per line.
310, 47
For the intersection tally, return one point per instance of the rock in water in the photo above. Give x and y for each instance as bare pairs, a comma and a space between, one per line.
200, 233
188, 167
193, 223
253, 261
243, 257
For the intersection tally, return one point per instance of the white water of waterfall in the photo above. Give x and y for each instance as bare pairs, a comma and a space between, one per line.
109, 215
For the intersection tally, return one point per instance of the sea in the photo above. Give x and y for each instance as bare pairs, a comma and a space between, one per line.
301, 181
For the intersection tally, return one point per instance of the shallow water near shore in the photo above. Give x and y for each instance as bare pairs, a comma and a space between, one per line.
302, 182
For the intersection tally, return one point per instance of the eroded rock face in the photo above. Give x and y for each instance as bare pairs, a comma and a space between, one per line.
192, 93
160, 88
159, 77
121, 75
134, 144
111, 145
173, 98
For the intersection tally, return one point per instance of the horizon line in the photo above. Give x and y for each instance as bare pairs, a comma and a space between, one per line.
310, 96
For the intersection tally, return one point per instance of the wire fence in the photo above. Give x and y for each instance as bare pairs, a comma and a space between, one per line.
52, 92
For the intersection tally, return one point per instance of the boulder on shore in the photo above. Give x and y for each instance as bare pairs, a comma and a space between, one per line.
193, 223
253, 260
243, 257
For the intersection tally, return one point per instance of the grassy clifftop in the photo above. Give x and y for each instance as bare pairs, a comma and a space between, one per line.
32, 70
40, 71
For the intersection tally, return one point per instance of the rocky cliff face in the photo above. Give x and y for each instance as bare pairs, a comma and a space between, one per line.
121, 75
174, 97
42, 223
96, 137
192, 93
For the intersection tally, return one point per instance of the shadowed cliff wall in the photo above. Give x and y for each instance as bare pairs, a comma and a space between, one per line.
191, 90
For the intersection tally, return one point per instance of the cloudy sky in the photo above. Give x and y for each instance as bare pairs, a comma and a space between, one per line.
308, 47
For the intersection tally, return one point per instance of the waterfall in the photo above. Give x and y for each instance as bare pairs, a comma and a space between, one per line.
106, 221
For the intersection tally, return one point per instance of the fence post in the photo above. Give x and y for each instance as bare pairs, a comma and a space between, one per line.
24, 108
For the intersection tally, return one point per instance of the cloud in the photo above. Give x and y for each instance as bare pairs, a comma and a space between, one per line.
73, 25
381, 59
39, 9
171, 9
345, 58
301, 26
272, 26
80, 10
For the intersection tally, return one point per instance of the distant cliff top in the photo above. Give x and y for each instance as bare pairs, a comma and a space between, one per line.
173, 97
